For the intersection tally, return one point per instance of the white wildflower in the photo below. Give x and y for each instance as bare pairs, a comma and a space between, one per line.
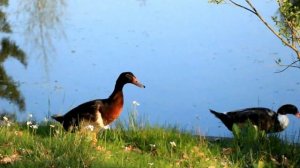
90, 127
57, 131
106, 127
173, 144
5, 118
28, 123
34, 126
135, 103
152, 145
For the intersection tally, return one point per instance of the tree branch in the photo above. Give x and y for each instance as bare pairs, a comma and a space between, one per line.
271, 29
287, 66
254, 11
241, 6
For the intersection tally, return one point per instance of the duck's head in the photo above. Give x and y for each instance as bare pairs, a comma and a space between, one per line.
289, 109
128, 77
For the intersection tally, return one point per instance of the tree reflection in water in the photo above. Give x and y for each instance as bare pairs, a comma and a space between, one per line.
42, 24
42, 19
8, 87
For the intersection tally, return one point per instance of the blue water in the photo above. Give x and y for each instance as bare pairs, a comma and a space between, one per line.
190, 54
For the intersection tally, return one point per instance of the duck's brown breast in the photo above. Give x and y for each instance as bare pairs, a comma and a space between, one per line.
112, 109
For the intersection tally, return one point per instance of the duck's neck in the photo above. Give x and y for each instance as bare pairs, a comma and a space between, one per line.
117, 93
115, 103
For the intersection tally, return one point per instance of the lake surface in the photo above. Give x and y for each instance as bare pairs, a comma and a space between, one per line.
191, 55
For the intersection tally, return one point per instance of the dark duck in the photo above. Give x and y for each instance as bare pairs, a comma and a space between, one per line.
264, 118
100, 112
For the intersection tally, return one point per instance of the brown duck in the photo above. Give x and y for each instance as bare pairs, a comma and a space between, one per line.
100, 112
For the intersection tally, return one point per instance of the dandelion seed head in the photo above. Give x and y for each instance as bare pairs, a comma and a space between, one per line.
30, 115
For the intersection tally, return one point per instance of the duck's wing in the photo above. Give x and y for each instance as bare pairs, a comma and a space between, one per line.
86, 111
256, 115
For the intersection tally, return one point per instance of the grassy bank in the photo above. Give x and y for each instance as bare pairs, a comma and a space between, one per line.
47, 145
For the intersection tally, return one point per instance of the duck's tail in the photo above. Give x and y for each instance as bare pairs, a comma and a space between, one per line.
224, 118
58, 118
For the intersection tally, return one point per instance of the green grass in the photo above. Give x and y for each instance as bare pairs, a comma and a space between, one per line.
132, 145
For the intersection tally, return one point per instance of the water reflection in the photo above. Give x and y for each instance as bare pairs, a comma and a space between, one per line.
8, 87
42, 17
4, 26
42, 23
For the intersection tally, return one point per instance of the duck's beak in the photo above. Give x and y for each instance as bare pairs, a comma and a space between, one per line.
137, 83
297, 114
